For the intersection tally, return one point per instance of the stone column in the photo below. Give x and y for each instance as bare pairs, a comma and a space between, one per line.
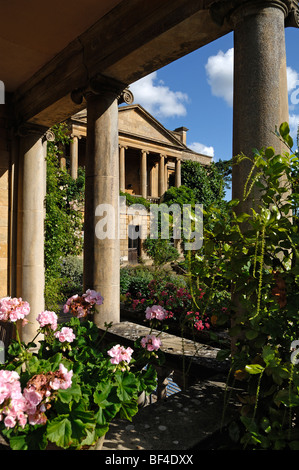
161, 175
260, 83
165, 176
102, 254
178, 179
122, 168
33, 155
74, 157
143, 173
62, 157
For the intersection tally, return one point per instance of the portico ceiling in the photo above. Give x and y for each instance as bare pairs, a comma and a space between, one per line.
32, 32
48, 50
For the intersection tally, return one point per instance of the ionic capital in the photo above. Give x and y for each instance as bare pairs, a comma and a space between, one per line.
102, 85
233, 10
293, 16
27, 129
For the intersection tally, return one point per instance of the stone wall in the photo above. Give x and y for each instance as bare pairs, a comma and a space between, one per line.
4, 204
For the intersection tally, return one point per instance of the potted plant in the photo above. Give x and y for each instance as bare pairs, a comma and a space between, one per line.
66, 390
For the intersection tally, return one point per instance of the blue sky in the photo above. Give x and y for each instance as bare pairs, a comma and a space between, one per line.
196, 92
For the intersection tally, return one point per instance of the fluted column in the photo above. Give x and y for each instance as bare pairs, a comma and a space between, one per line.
74, 157
161, 180
143, 173
260, 83
122, 168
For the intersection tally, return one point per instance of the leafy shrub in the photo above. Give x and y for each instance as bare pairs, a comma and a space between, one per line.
135, 279
72, 272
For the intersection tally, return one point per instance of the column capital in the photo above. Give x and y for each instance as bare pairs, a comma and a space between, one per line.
222, 11
27, 129
145, 151
102, 85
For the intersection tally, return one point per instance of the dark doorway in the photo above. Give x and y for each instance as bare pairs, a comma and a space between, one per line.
133, 244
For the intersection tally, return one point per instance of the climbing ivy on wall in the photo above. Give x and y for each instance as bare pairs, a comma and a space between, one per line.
63, 222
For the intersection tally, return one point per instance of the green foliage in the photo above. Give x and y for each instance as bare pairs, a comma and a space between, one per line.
135, 279
255, 256
63, 225
160, 251
182, 195
130, 200
64, 220
208, 183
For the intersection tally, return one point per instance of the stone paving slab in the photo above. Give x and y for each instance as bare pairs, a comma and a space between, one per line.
179, 422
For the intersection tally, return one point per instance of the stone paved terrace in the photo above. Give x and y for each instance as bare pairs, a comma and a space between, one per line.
183, 421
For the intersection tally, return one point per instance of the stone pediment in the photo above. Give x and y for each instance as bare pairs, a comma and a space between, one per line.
136, 122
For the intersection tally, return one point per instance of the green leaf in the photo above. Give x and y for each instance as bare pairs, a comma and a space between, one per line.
268, 354
254, 369
105, 415
148, 380
59, 431
128, 410
70, 394
251, 334
18, 442
126, 386
284, 131
106, 398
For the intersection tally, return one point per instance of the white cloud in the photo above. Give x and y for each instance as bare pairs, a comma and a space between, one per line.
157, 98
293, 79
201, 148
219, 69
294, 124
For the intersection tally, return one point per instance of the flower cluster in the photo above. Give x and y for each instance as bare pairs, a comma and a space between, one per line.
17, 407
49, 326
48, 319
151, 342
120, 356
65, 335
13, 309
156, 312
200, 322
81, 306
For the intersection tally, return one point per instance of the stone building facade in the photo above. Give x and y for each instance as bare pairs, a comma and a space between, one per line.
150, 159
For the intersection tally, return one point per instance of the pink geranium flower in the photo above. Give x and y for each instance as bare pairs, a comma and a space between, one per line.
119, 354
151, 342
48, 318
156, 312
13, 309
65, 334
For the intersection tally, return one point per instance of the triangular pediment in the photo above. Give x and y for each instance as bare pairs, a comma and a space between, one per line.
135, 121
